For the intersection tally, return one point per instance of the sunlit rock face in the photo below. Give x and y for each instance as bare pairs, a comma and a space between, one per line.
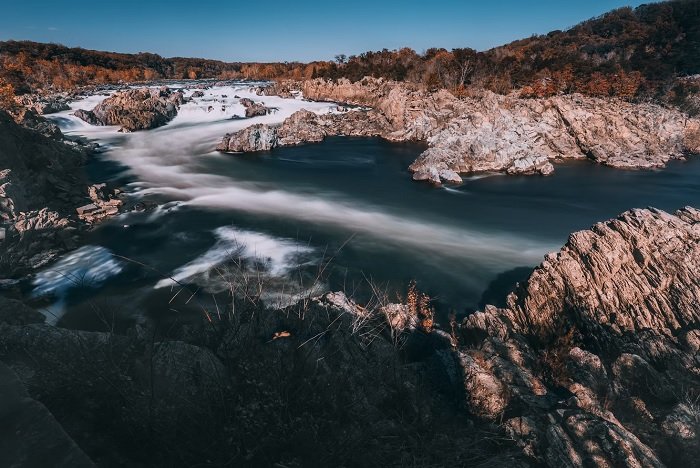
594, 360
135, 109
488, 132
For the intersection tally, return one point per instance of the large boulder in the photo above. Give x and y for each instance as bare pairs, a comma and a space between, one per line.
135, 109
594, 359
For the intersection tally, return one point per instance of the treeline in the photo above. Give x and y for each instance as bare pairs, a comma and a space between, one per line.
630, 53
30, 66
626, 52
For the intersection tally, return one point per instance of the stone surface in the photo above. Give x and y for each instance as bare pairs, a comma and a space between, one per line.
135, 109
44, 104
37, 206
488, 132
302, 127
597, 351
254, 109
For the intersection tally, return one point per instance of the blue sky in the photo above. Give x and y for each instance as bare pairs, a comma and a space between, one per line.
275, 30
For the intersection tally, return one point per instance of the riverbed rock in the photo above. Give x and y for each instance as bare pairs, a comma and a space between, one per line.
105, 203
288, 89
486, 132
302, 127
135, 109
254, 109
594, 356
44, 104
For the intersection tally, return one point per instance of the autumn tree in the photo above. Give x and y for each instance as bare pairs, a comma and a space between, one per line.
7, 95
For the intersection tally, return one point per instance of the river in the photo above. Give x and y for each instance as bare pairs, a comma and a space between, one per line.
338, 215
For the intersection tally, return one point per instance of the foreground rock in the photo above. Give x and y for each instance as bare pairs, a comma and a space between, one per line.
135, 109
595, 359
29, 434
488, 132
321, 374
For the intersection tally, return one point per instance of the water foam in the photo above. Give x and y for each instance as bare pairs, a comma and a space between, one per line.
260, 253
89, 266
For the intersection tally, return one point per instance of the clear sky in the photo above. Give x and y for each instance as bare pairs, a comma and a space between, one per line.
278, 30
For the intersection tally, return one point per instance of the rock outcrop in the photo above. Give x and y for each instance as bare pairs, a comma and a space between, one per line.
106, 202
135, 109
488, 132
254, 109
37, 205
595, 358
44, 104
302, 127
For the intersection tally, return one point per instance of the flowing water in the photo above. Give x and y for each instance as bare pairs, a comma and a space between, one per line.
330, 216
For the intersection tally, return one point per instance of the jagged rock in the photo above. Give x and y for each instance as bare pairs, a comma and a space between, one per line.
591, 351
301, 127
283, 89
254, 109
488, 132
257, 137
197, 94
135, 109
29, 118
44, 104
105, 203
37, 207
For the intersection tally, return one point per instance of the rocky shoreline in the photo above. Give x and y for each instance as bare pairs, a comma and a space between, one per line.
484, 132
38, 207
594, 361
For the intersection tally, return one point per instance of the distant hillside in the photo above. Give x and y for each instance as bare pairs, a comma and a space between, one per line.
631, 53
28, 66
626, 52
649, 45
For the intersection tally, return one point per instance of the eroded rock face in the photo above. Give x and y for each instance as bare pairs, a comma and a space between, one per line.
135, 109
44, 104
38, 206
489, 132
254, 109
302, 127
595, 358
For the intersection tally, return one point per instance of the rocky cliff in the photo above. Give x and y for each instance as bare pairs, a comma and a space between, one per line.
135, 109
489, 132
595, 361
42, 182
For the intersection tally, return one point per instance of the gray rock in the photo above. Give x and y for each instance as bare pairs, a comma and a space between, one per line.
29, 434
